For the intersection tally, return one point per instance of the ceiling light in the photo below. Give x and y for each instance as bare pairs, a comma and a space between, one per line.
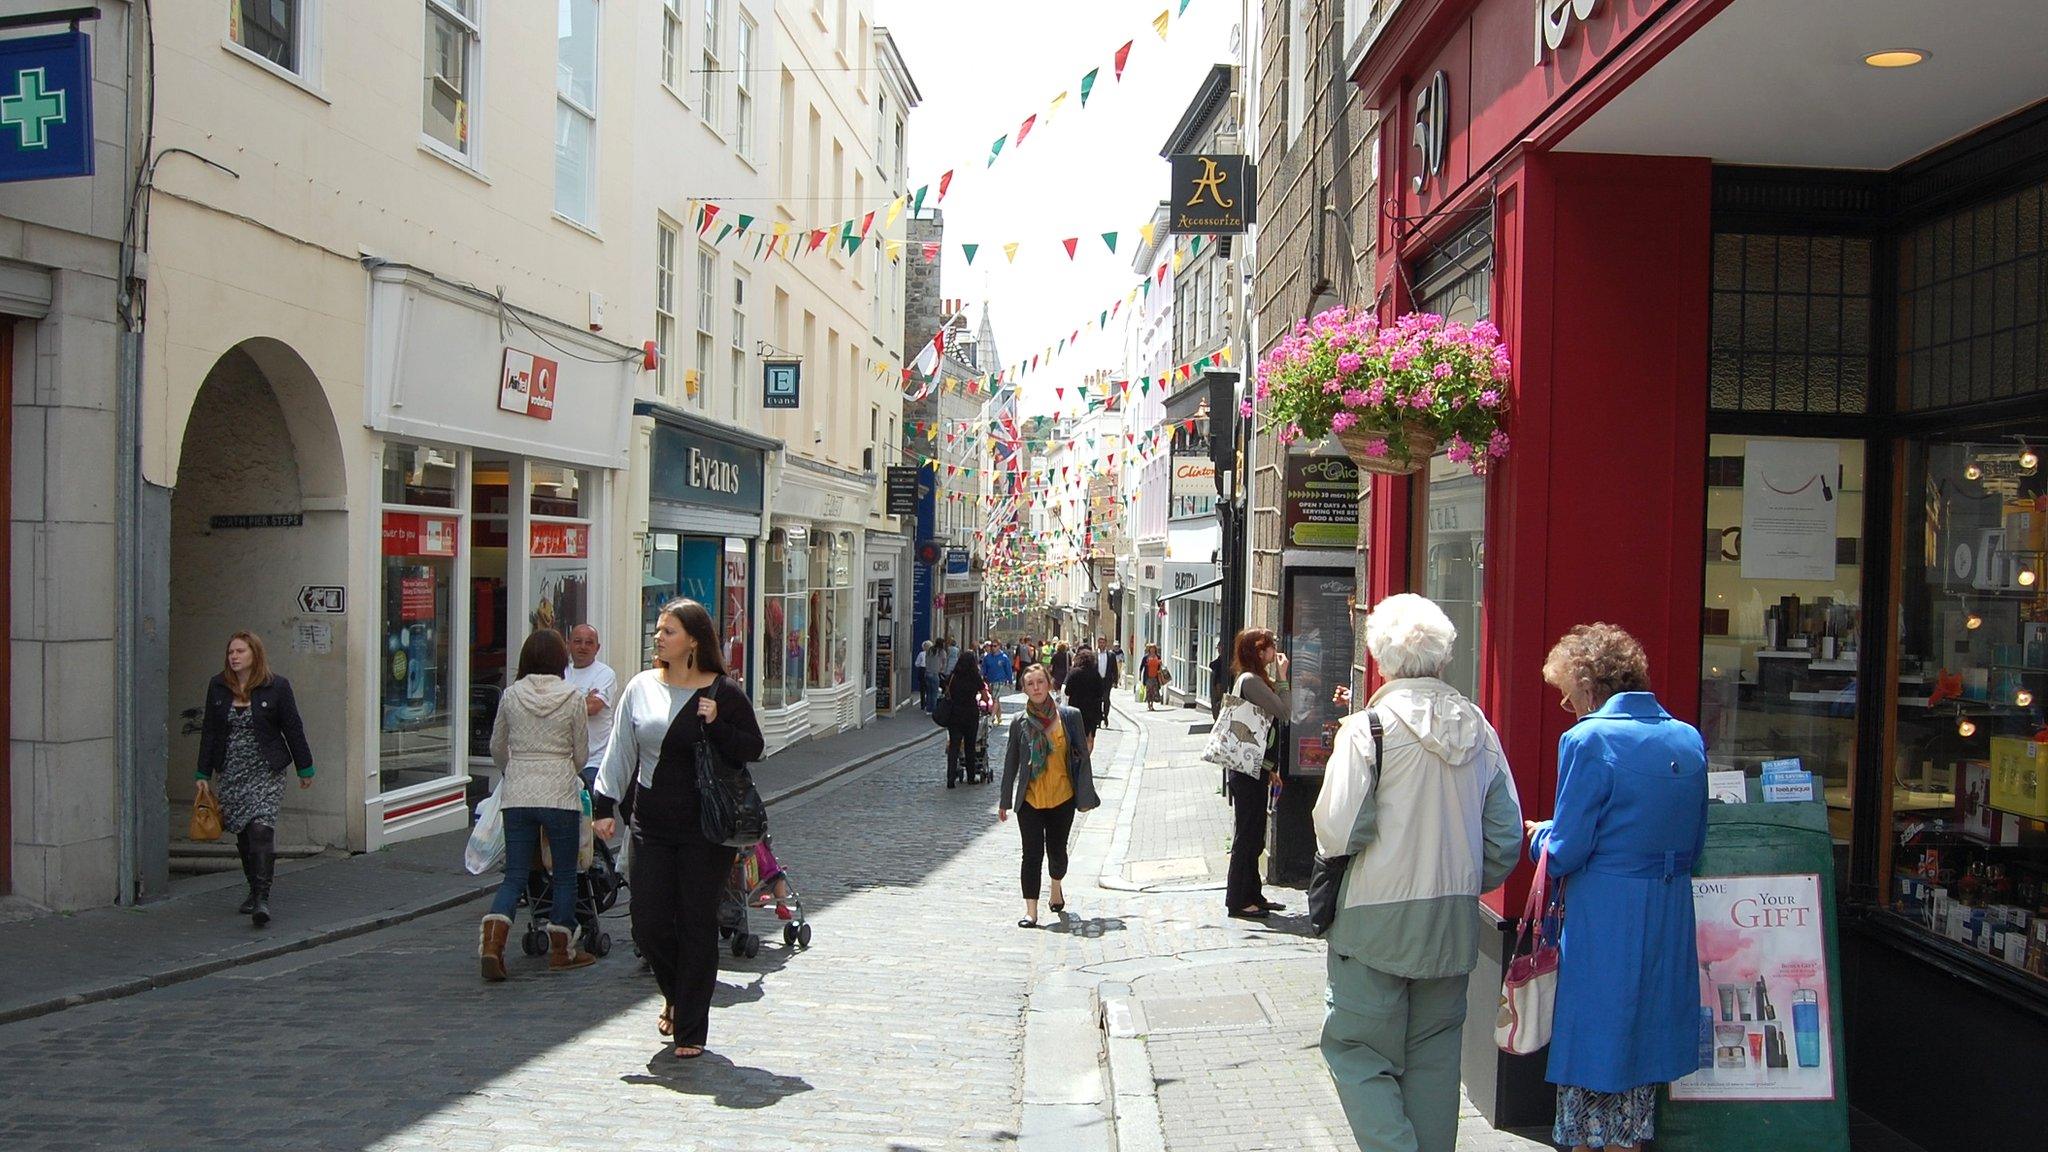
1896, 57
1965, 727
2027, 577
1973, 621
1972, 472
2029, 460
2023, 698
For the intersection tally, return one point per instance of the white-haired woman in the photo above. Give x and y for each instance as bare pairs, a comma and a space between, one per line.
1430, 818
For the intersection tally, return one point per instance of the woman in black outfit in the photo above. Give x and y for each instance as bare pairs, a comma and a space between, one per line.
1261, 682
1087, 691
249, 734
963, 693
677, 875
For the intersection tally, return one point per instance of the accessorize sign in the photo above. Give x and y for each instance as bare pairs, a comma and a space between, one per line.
1213, 194
526, 385
1765, 1032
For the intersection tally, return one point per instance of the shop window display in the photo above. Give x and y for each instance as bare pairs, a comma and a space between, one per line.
1782, 627
420, 545
830, 652
1452, 511
785, 617
715, 571
1969, 797
558, 588
490, 618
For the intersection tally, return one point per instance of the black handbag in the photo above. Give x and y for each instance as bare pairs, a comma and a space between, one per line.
1326, 876
732, 812
942, 712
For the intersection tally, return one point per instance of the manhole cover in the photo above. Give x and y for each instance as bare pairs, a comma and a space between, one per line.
1155, 871
1200, 1013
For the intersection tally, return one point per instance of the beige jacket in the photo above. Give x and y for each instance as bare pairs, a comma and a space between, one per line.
541, 740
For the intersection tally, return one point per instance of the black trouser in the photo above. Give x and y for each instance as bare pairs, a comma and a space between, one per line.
1247, 840
1045, 842
675, 924
960, 746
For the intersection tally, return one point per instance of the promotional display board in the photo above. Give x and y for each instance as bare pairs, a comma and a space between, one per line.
1764, 1004
1788, 509
1321, 502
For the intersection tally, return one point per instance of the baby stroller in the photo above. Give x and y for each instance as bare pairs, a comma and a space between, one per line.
597, 891
985, 727
753, 876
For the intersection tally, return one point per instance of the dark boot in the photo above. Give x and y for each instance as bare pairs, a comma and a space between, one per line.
263, 866
248, 872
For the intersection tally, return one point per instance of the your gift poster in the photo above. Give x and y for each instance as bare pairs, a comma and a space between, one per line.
1765, 1017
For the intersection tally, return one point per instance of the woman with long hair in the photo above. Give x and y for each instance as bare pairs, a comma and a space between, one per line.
677, 874
1047, 778
1261, 682
540, 740
963, 695
249, 733
1152, 675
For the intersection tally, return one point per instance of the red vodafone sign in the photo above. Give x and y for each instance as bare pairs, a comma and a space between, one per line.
527, 384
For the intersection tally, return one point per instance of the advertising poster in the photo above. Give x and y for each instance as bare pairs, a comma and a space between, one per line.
561, 594
733, 614
1788, 509
1319, 643
1765, 1027
1322, 502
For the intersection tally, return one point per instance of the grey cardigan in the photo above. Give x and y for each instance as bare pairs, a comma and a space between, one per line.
1016, 781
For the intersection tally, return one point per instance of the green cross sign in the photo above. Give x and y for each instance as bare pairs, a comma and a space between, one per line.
31, 109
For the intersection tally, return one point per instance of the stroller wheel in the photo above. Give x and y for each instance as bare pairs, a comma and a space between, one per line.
602, 946
534, 943
739, 944
803, 935
753, 947
789, 935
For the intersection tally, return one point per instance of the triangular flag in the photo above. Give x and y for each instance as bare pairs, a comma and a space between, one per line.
818, 239
931, 252
723, 233
1024, 129
1069, 243
1195, 247
1146, 231
1054, 110
1159, 23
1123, 56
746, 222
1109, 238
895, 210
1178, 259
893, 249
867, 222
1183, 7
1088, 85
945, 181
970, 250
917, 201
1010, 250
997, 149
710, 214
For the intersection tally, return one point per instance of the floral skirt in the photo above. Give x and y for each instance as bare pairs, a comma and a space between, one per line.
1601, 1119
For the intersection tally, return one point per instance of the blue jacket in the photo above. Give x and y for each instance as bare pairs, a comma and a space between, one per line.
995, 667
1631, 821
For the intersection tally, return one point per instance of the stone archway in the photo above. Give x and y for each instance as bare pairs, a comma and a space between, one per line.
257, 511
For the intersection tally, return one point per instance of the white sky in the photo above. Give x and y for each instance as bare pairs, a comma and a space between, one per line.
982, 67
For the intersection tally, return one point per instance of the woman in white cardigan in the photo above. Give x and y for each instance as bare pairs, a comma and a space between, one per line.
540, 740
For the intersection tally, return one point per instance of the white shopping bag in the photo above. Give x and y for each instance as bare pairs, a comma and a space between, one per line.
485, 851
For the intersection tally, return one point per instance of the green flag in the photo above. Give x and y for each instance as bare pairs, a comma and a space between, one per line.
746, 222
1088, 85
997, 149
917, 204
1109, 238
970, 250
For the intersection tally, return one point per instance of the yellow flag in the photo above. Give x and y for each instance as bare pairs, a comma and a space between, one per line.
1056, 102
895, 210
894, 249
1159, 22
1223, 354
1146, 230
1010, 250
1178, 256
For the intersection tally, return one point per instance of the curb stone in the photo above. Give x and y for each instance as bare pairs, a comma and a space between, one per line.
195, 971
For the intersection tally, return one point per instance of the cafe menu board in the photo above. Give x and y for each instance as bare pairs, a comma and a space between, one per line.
1321, 502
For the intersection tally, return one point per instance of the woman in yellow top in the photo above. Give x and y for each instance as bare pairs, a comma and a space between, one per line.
1047, 777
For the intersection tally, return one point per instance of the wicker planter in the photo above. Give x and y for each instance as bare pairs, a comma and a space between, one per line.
1421, 446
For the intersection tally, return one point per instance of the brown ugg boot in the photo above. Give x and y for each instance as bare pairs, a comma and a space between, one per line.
563, 953
491, 946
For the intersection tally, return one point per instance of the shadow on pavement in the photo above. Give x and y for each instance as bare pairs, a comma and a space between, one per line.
1089, 927
726, 1084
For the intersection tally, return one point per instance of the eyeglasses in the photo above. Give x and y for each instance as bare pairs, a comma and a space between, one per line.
1565, 702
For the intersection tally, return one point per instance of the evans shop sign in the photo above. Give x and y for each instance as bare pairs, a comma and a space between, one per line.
694, 469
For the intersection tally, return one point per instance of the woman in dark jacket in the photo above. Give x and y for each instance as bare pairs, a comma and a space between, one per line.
249, 734
963, 724
1062, 661
1087, 691
1261, 682
1047, 778
677, 875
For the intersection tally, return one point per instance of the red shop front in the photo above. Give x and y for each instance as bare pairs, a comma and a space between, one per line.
1714, 232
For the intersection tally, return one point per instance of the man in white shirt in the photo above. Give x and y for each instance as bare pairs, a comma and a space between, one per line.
600, 691
1111, 669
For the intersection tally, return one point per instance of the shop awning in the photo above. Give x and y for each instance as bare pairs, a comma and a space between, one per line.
1216, 583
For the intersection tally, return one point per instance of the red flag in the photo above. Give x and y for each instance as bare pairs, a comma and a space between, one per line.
1161, 275
1025, 130
710, 214
1069, 243
931, 252
945, 182
1123, 55
866, 223
817, 238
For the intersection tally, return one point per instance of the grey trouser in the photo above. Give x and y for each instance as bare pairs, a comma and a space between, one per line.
1392, 1047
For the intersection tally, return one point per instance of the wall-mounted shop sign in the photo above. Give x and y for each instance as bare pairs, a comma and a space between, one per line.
1182, 577
781, 383
903, 490
1321, 502
526, 385
257, 520
46, 107
323, 599
1194, 476
1213, 195
1554, 20
882, 567
956, 562
1432, 129
693, 469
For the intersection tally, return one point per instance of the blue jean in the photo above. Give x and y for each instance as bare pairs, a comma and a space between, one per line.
523, 830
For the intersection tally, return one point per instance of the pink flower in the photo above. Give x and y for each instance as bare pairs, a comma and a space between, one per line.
1376, 394
1490, 399
1443, 371
1349, 363
1332, 387
1458, 450
1356, 398
1290, 433
1421, 400
1265, 389
1244, 409
1497, 445
1342, 422
1399, 361
1376, 447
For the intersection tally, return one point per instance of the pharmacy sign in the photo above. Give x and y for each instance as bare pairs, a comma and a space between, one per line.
46, 107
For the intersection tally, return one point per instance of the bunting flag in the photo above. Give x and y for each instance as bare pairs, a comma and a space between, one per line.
1024, 129
917, 202
1123, 56
1010, 250
970, 250
895, 210
931, 252
1159, 23
1070, 243
706, 216
1146, 231
1108, 238
1088, 85
1054, 109
997, 149
945, 182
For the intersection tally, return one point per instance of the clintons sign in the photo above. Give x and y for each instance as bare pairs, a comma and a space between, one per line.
1554, 20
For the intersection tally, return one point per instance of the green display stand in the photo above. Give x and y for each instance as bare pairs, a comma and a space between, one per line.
1764, 840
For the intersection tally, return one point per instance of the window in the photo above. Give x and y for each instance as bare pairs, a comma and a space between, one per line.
881, 134
902, 168
743, 77
1298, 55
739, 338
1791, 324
277, 31
707, 318
576, 109
714, 20
786, 176
814, 138
665, 236
422, 559
448, 116
831, 648
839, 26
672, 45
785, 617
838, 187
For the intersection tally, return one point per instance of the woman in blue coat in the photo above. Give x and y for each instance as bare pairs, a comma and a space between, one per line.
1631, 818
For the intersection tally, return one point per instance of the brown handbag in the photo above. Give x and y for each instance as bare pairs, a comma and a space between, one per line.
205, 816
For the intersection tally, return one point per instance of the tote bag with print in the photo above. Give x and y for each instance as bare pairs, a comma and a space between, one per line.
1238, 741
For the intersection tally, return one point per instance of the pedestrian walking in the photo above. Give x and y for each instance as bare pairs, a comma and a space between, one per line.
601, 691
540, 741
963, 716
248, 734
1261, 682
1086, 690
1630, 822
1047, 778
1219, 678
1062, 662
1153, 676
1110, 664
1428, 815
995, 669
677, 875
927, 682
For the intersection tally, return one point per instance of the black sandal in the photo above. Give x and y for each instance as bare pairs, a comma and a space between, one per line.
1058, 906
1027, 923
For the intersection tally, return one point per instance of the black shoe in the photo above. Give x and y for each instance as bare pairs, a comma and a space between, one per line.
1248, 914
248, 905
1273, 906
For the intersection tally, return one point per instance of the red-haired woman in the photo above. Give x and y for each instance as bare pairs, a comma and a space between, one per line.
1261, 682
249, 733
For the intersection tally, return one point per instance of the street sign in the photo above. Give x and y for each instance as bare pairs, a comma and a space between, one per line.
323, 599
781, 383
903, 490
1213, 194
46, 107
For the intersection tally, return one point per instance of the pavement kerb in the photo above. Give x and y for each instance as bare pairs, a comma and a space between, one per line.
1112, 875
199, 970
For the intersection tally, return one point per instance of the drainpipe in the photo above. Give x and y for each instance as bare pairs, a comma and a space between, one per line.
127, 449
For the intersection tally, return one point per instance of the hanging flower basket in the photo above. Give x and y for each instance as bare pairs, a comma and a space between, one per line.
1394, 395
1397, 452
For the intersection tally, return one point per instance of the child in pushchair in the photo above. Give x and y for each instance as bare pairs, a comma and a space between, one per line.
757, 880
597, 891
